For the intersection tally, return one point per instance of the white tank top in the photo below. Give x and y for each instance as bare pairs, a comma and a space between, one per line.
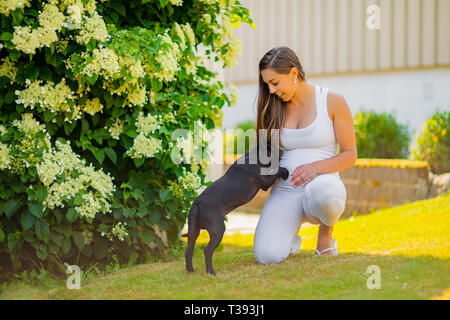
313, 143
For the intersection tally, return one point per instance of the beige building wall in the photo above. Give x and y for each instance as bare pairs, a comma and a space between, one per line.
331, 36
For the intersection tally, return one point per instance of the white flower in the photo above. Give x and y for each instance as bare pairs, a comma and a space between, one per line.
74, 13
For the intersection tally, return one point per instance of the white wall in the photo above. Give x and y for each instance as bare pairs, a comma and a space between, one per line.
412, 96
331, 36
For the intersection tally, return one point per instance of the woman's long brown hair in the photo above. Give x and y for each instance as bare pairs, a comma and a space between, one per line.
271, 109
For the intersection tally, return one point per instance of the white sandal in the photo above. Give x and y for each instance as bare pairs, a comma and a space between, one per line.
296, 244
333, 248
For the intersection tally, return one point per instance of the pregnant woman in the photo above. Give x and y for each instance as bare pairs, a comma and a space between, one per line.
313, 123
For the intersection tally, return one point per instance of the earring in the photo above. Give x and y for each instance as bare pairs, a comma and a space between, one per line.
295, 80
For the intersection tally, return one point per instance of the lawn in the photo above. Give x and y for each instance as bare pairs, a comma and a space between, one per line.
410, 245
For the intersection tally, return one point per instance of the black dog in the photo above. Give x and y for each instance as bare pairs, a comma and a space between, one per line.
235, 188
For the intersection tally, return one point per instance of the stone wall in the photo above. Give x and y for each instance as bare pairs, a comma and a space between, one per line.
379, 183
372, 184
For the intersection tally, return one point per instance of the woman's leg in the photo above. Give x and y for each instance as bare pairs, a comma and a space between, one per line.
277, 226
324, 203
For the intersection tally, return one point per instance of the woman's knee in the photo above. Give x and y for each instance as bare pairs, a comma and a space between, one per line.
269, 247
326, 198
331, 211
267, 255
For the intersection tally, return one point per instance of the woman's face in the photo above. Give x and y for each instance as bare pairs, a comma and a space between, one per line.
282, 85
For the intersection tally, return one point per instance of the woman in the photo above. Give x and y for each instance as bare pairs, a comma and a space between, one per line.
313, 122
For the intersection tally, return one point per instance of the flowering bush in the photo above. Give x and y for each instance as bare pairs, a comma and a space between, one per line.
91, 94
432, 143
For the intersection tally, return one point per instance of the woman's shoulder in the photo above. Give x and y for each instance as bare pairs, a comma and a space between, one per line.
337, 105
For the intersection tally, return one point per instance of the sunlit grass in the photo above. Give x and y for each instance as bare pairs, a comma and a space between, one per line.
410, 244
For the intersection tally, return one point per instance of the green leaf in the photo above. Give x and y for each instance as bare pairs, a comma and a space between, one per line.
56, 237
36, 209
84, 126
17, 17
178, 99
65, 245
13, 240
164, 195
78, 199
172, 206
14, 55
92, 79
156, 85
45, 74
147, 235
111, 154
10, 207
78, 239
98, 154
128, 212
42, 253
108, 98
68, 127
120, 8
27, 220
118, 103
142, 212
115, 17
2, 235
76, 58
91, 45
155, 216
139, 162
32, 72
163, 3
42, 228
48, 115
64, 229
6, 36
10, 97
71, 215
41, 192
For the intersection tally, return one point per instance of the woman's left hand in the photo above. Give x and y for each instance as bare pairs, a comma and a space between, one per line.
303, 175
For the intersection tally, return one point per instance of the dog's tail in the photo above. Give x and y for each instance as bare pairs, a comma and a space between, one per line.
192, 219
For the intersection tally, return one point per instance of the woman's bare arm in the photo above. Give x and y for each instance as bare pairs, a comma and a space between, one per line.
345, 137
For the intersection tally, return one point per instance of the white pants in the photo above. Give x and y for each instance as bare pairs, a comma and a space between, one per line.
322, 201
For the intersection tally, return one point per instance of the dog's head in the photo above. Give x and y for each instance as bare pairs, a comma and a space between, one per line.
263, 166
263, 157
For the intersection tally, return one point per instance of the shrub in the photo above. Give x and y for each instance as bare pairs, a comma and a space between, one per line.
433, 143
378, 135
240, 133
91, 95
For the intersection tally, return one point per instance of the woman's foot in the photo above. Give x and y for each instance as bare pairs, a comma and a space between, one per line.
324, 240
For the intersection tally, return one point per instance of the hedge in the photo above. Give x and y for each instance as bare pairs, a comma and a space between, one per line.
92, 94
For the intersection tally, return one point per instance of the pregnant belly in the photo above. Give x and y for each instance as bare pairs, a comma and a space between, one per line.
294, 158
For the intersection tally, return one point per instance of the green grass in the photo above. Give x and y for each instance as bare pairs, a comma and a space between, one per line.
410, 244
